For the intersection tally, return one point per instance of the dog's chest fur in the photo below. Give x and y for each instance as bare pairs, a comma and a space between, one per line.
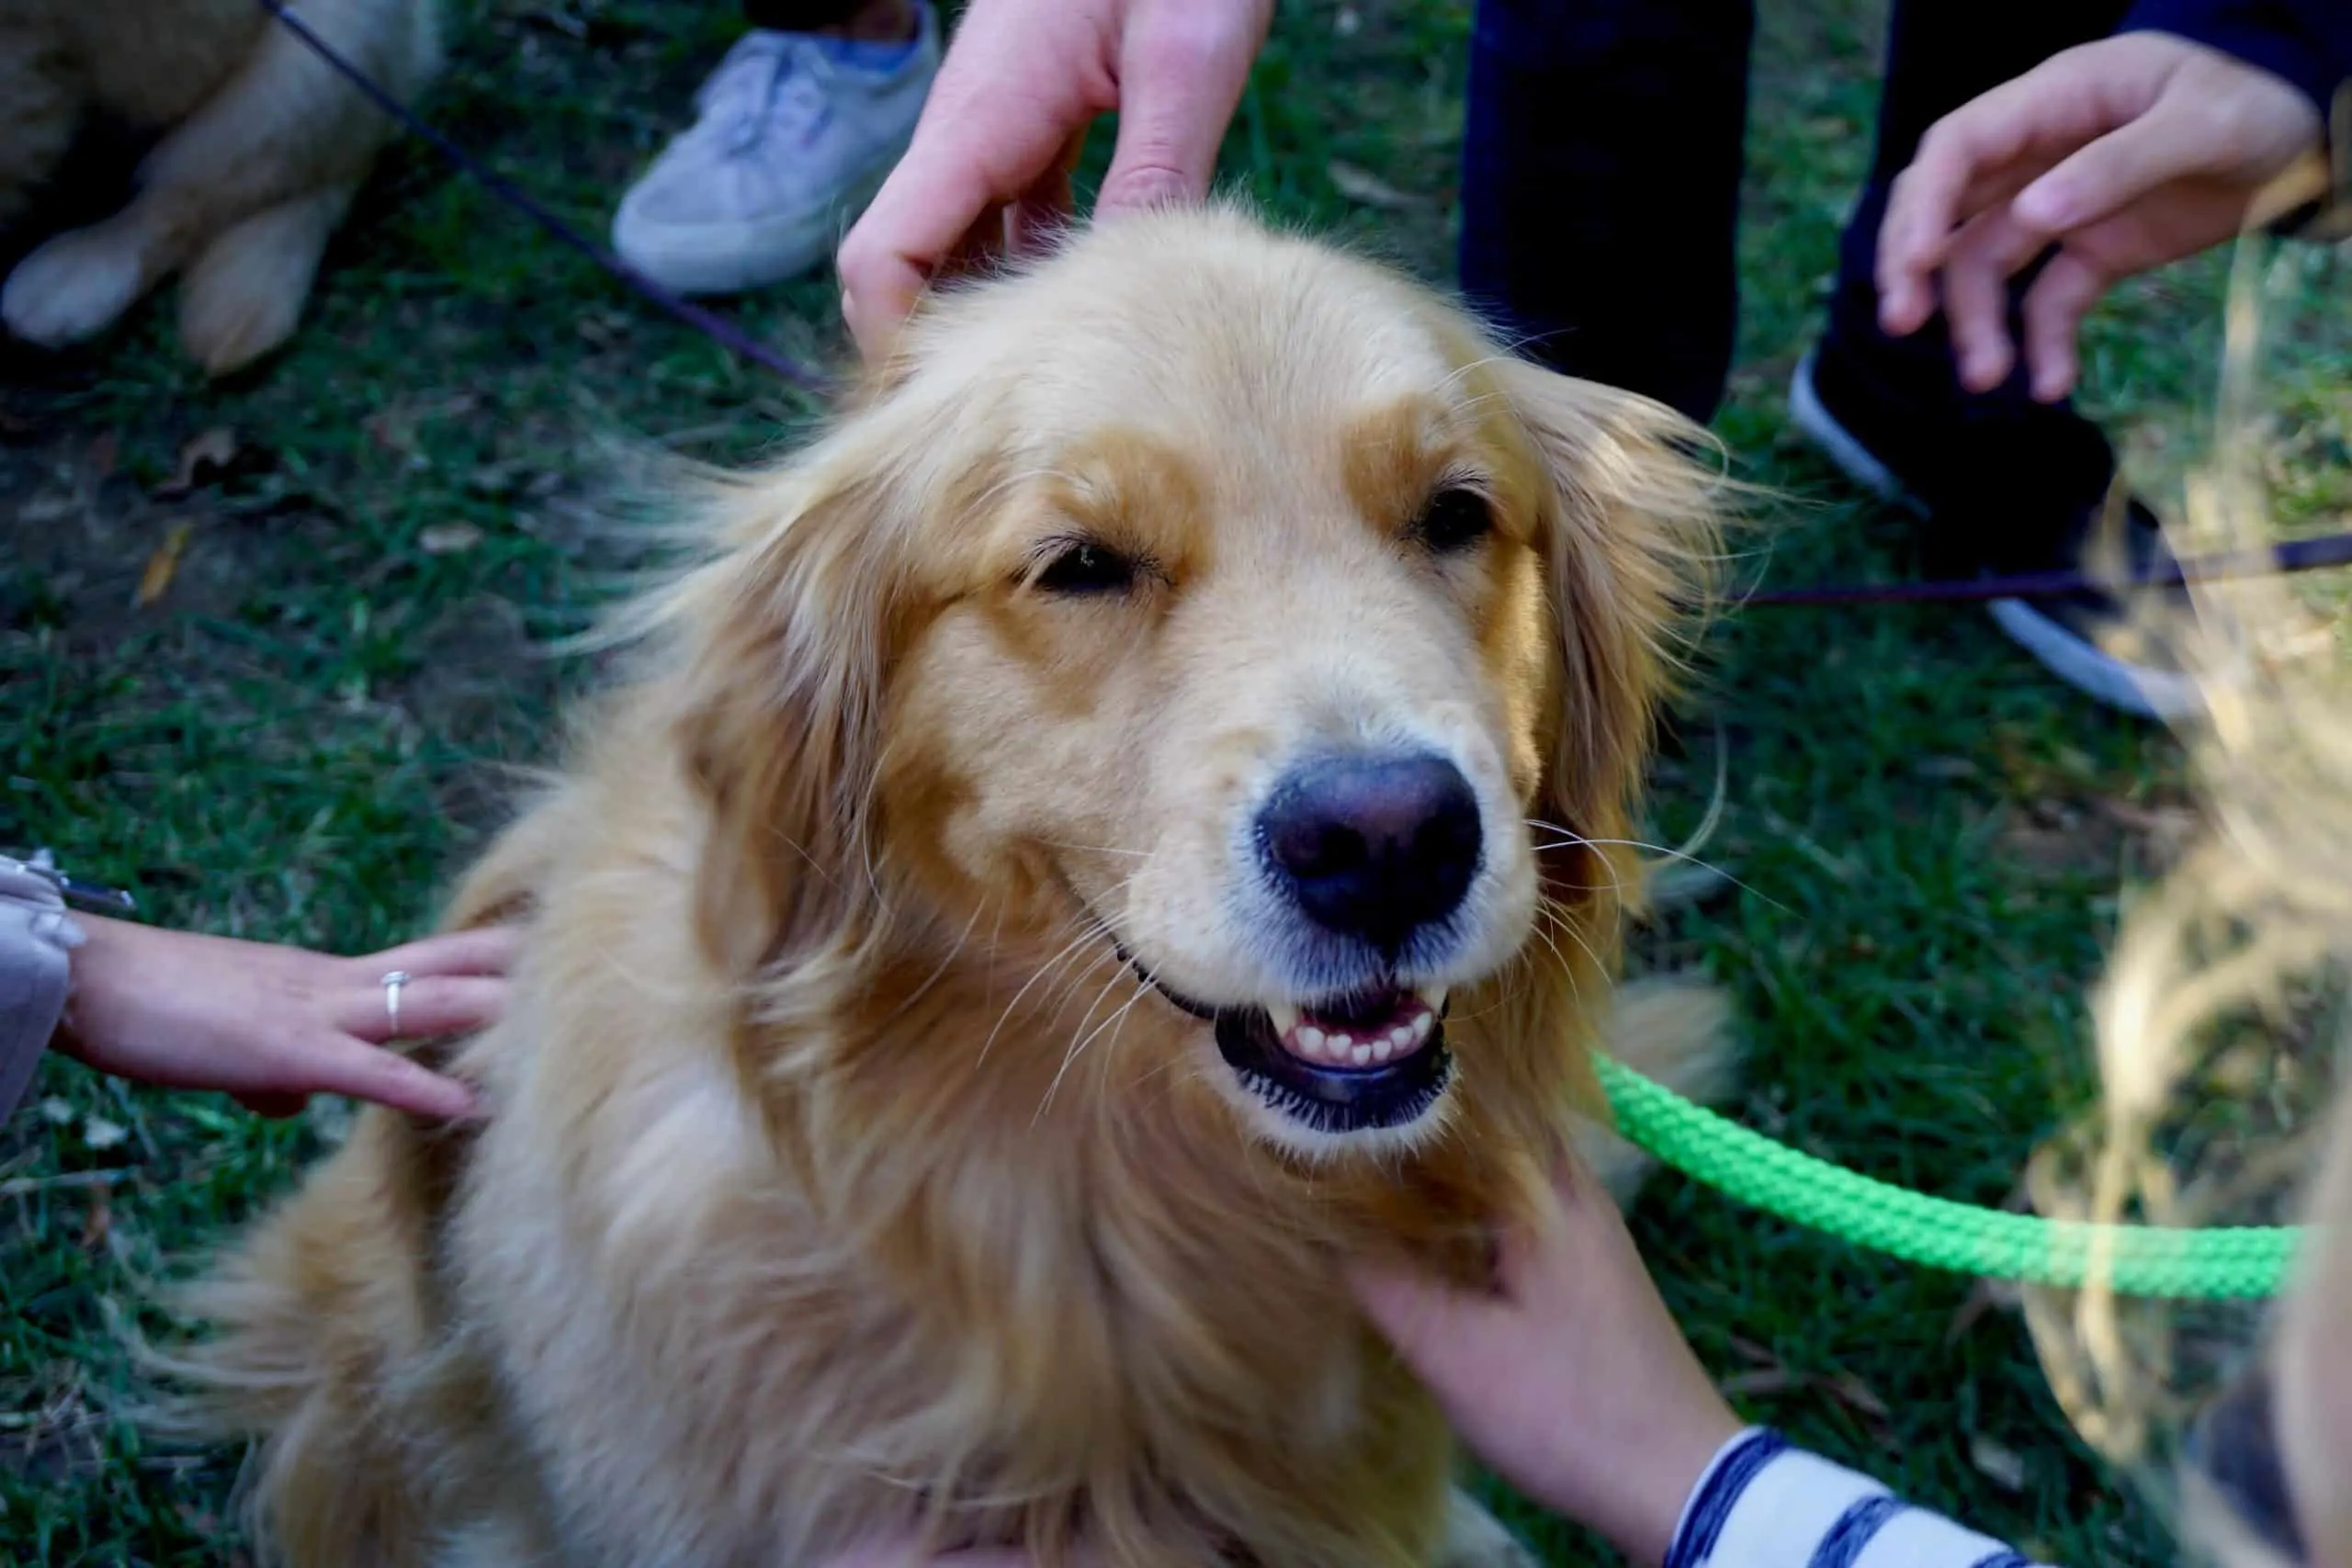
730, 1334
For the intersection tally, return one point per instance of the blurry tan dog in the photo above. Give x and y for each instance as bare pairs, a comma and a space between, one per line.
1131, 818
261, 149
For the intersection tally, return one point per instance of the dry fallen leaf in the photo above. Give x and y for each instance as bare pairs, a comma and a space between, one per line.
449, 538
1985, 1296
1857, 1396
163, 566
2003, 1466
500, 479
1763, 1380
204, 454
392, 429
42, 510
1364, 186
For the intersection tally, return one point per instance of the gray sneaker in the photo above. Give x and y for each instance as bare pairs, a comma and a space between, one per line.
794, 133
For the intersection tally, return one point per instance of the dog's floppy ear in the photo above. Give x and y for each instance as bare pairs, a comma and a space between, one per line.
1631, 536
779, 716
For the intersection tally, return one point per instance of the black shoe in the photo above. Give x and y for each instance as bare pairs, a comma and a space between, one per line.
2001, 495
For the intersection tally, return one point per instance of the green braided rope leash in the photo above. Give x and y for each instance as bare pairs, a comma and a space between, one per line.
2132, 1260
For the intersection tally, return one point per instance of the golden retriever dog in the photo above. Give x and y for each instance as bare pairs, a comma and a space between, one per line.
1128, 820
261, 149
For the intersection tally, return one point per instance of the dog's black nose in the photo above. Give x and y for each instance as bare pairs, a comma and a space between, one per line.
1373, 847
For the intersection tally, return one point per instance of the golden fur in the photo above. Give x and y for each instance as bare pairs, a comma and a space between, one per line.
262, 148
840, 1177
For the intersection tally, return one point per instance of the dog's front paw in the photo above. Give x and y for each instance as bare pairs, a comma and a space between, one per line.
1475, 1539
73, 289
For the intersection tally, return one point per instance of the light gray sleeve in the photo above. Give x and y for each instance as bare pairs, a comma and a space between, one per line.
36, 936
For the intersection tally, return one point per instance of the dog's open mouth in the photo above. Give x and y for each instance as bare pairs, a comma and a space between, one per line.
1369, 1059
1375, 1058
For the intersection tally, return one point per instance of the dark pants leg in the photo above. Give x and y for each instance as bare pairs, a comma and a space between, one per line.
798, 16
1601, 186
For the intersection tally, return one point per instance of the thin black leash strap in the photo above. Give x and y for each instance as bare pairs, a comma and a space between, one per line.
2300, 555
716, 327
2275, 560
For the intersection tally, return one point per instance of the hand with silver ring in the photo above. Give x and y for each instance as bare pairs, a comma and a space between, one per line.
393, 981
274, 1025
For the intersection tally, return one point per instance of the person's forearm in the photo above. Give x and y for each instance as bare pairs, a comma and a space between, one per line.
1766, 1503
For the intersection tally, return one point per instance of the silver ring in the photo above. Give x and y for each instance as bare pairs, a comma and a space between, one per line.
392, 984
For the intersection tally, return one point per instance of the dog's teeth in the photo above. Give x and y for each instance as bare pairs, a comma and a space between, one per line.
1383, 1048
1421, 1026
1432, 998
1285, 1017
1402, 1036
1310, 1040
1361, 1055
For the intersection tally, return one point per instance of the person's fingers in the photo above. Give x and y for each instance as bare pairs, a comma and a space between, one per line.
880, 283
1181, 69
2110, 172
2054, 309
1910, 289
1910, 249
1960, 162
1991, 147
430, 1006
1045, 208
345, 1066
1427, 1322
926, 210
488, 950
1574, 1230
1989, 251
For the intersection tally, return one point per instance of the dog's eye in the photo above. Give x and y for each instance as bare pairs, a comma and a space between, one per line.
1086, 567
1454, 519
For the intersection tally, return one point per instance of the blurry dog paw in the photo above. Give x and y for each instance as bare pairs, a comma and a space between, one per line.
73, 289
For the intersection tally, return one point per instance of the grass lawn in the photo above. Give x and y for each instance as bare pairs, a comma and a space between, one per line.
302, 734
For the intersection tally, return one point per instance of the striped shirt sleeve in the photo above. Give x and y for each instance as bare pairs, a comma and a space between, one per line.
36, 936
1763, 1503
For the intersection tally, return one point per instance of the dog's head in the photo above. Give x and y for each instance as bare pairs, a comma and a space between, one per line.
1209, 604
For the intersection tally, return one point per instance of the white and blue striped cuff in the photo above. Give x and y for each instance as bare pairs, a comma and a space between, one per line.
1765, 1504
